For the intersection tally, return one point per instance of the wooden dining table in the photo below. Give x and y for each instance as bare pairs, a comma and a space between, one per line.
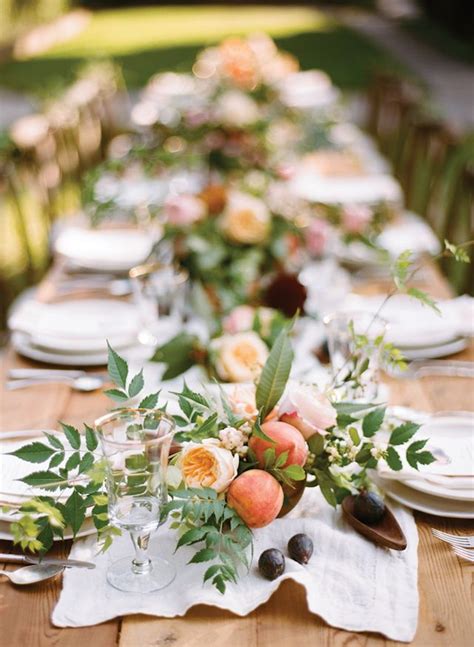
446, 584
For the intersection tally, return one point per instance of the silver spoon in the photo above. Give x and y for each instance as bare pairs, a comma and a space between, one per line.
32, 574
83, 383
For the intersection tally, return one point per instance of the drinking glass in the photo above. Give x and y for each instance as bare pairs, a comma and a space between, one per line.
160, 291
348, 358
136, 445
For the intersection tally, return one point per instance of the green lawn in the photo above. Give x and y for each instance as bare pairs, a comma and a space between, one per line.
145, 40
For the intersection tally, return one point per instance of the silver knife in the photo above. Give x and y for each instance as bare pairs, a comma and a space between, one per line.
27, 559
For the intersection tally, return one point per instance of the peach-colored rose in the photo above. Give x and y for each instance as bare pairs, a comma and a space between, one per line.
307, 409
208, 465
240, 357
356, 218
246, 219
184, 209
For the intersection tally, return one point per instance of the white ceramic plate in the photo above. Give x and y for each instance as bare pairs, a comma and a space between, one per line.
22, 344
425, 502
433, 352
439, 491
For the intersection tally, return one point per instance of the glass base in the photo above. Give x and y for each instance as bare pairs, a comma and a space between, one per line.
121, 576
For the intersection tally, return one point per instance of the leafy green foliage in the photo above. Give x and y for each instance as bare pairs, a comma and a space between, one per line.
117, 368
416, 455
372, 422
207, 520
275, 374
423, 298
179, 354
403, 433
34, 453
393, 459
457, 251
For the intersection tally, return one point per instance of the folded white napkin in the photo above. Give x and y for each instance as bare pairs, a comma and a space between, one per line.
411, 324
410, 232
366, 189
105, 249
351, 583
80, 325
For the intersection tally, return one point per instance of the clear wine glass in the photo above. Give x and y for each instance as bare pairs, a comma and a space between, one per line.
160, 291
355, 368
136, 444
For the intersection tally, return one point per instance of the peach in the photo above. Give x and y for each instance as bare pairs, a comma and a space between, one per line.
256, 496
287, 439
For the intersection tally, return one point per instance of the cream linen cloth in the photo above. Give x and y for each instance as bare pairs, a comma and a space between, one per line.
351, 583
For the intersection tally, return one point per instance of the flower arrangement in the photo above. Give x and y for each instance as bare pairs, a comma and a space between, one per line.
243, 458
236, 352
232, 243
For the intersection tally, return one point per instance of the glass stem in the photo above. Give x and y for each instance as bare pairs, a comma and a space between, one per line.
141, 564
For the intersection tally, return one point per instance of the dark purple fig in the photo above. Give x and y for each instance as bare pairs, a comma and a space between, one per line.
369, 507
271, 563
300, 548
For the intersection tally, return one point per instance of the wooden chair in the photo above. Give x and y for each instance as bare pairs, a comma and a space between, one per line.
459, 221
424, 157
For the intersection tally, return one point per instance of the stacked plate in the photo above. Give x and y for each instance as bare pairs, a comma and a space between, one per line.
73, 333
446, 487
14, 492
418, 331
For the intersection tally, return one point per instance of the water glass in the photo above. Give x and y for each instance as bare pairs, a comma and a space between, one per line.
160, 291
136, 445
355, 367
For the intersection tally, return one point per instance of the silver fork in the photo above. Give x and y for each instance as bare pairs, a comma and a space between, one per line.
464, 553
454, 540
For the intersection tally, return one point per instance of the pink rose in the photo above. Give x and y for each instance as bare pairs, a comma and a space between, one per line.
285, 171
355, 218
239, 320
308, 410
317, 236
182, 210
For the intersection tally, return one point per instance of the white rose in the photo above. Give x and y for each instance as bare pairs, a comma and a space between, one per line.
307, 409
207, 465
246, 219
239, 358
242, 402
236, 110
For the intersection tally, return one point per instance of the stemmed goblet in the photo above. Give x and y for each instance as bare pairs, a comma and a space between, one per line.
136, 445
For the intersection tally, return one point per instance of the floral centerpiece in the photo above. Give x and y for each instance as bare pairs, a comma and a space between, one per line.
236, 352
243, 458
234, 241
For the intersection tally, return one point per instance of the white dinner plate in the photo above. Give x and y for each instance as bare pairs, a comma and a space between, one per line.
439, 491
416, 500
22, 344
457, 345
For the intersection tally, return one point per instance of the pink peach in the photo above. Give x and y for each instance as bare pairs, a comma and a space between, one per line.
286, 439
256, 496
